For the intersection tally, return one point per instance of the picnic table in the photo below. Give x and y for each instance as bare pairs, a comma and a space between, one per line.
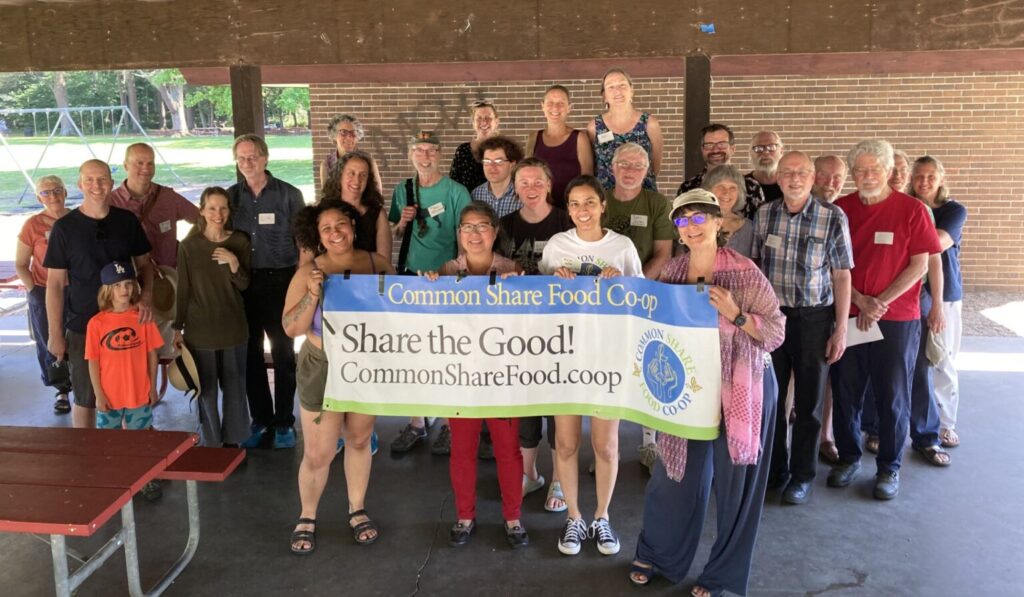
61, 482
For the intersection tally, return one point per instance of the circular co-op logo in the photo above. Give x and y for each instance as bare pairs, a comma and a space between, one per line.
666, 372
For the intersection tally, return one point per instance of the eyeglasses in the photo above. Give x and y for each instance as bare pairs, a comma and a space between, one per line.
684, 221
716, 145
347, 134
770, 148
481, 228
875, 170
801, 174
57, 192
425, 151
495, 162
631, 165
248, 159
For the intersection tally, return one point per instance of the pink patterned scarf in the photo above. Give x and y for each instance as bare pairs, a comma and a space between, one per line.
743, 357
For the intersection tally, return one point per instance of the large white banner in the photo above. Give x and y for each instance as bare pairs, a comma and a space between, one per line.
624, 348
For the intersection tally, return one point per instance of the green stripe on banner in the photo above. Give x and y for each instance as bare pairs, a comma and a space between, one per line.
392, 409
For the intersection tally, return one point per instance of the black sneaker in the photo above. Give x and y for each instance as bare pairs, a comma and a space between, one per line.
887, 485
572, 537
842, 475
442, 445
152, 491
408, 438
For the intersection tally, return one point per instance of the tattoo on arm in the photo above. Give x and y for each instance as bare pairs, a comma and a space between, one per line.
298, 309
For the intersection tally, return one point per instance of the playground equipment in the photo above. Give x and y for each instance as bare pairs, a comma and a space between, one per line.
125, 119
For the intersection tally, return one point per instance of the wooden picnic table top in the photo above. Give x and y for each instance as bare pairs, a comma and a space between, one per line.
71, 481
63, 440
52, 510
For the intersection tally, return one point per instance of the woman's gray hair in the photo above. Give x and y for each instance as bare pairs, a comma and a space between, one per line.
332, 127
880, 148
727, 173
50, 178
902, 154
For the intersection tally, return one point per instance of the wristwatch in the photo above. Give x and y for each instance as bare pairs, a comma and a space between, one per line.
740, 320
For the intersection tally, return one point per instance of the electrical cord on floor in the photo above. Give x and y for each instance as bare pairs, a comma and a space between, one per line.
433, 539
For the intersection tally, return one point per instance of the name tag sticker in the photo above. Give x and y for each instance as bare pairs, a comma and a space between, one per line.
47, 235
165, 226
883, 238
538, 246
267, 219
435, 210
605, 137
773, 241
638, 220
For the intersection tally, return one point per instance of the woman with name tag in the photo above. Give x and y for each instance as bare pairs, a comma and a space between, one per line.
328, 229
588, 250
477, 232
735, 465
353, 179
622, 123
522, 236
466, 169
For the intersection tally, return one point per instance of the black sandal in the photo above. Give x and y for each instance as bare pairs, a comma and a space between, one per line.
363, 528
62, 406
307, 536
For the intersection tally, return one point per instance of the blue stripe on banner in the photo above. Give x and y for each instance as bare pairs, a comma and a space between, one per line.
677, 305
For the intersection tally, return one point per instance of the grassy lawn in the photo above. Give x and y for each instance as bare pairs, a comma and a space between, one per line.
198, 161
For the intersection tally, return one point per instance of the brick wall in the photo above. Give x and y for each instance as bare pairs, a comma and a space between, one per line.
392, 113
970, 121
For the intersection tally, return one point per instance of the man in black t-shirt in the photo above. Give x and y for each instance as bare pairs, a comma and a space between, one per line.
80, 245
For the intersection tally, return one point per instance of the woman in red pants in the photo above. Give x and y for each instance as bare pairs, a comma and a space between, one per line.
478, 228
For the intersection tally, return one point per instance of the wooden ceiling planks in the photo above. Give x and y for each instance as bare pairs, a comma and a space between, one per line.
110, 34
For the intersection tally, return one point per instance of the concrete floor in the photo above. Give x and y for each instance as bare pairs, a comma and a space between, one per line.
954, 531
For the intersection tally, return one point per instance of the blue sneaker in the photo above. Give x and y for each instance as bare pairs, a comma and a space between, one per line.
374, 444
256, 437
284, 438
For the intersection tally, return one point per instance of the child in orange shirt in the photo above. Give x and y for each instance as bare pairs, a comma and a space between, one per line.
122, 356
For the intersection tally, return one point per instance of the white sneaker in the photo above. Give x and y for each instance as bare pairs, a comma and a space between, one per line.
607, 542
573, 536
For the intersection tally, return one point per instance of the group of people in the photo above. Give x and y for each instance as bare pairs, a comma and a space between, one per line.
800, 277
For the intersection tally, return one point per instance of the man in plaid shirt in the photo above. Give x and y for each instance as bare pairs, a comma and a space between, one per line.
804, 249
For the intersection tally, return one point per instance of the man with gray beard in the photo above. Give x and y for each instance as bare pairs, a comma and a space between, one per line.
829, 177
765, 152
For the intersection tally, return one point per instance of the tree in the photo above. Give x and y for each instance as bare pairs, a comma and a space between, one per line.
171, 85
294, 101
129, 95
59, 85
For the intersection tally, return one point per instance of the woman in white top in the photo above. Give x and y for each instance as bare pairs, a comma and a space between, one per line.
588, 250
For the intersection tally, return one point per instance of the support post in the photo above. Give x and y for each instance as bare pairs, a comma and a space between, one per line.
697, 111
247, 99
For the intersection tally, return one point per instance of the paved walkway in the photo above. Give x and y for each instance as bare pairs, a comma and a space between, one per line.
954, 531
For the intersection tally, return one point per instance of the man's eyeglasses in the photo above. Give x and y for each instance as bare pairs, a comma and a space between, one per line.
248, 159
684, 221
631, 165
770, 148
800, 174
495, 162
482, 227
717, 145
57, 192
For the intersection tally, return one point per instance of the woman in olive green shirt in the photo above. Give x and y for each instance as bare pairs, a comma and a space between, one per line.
213, 270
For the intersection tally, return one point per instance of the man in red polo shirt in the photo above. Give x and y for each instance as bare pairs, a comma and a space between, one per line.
892, 237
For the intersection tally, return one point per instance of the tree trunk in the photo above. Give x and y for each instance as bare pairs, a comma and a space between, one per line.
173, 97
60, 93
128, 77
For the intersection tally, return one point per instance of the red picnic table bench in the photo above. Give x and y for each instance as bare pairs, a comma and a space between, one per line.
61, 482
